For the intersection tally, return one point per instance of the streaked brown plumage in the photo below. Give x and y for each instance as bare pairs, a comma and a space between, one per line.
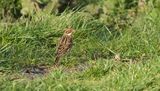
64, 44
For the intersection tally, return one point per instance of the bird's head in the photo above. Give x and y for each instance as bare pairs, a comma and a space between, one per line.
69, 31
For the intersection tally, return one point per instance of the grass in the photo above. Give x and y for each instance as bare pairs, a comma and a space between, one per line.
27, 43
104, 75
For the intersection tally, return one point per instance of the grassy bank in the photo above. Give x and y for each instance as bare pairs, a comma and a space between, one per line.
33, 42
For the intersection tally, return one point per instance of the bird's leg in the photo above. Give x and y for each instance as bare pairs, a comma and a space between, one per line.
56, 65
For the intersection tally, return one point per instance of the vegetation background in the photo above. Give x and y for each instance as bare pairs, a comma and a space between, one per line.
116, 45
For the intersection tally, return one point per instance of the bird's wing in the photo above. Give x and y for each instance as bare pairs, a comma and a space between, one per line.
64, 45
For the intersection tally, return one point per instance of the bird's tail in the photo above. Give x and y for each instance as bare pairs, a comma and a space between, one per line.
57, 60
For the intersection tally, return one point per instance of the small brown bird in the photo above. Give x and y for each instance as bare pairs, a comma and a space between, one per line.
64, 44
